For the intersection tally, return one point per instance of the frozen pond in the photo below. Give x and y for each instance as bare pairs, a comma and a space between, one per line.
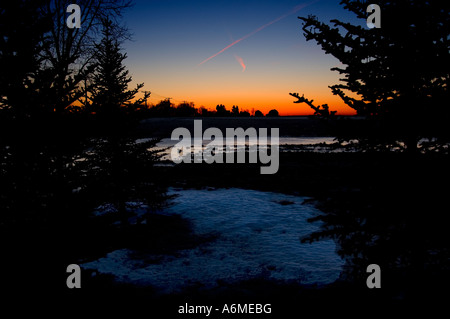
258, 236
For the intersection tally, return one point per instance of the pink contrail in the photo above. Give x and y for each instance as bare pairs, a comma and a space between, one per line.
241, 62
294, 10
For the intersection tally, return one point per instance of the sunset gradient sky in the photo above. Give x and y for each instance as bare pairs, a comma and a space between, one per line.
246, 53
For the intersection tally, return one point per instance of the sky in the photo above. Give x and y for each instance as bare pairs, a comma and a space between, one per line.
246, 53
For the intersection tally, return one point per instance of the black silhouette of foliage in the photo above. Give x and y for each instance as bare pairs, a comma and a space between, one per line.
321, 110
221, 110
374, 224
397, 79
21, 42
258, 113
69, 52
109, 92
235, 110
47, 174
244, 114
186, 109
166, 108
119, 163
45, 63
398, 74
163, 108
273, 113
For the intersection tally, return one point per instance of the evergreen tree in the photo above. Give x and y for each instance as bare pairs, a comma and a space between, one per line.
42, 62
109, 93
21, 40
397, 75
120, 168
69, 52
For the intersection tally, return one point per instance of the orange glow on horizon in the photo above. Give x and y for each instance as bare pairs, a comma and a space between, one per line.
285, 106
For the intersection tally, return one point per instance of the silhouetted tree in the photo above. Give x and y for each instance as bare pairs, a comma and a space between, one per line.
44, 59
38, 143
69, 51
273, 113
43, 66
163, 108
186, 109
203, 111
21, 41
235, 110
397, 78
396, 75
244, 114
109, 92
118, 162
221, 110
258, 113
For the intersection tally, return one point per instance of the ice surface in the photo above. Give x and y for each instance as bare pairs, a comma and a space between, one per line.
258, 236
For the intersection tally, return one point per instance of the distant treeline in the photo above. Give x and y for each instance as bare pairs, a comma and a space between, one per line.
166, 108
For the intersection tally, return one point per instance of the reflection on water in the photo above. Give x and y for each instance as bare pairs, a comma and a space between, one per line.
285, 143
167, 142
320, 144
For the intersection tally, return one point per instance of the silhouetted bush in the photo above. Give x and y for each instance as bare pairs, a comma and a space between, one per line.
258, 113
272, 113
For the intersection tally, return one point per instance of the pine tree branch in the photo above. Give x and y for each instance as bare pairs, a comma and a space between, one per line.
321, 110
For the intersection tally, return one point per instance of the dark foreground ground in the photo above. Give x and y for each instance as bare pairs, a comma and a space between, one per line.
384, 208
381, 208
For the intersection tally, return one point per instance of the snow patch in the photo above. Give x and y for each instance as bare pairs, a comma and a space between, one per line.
258, 236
